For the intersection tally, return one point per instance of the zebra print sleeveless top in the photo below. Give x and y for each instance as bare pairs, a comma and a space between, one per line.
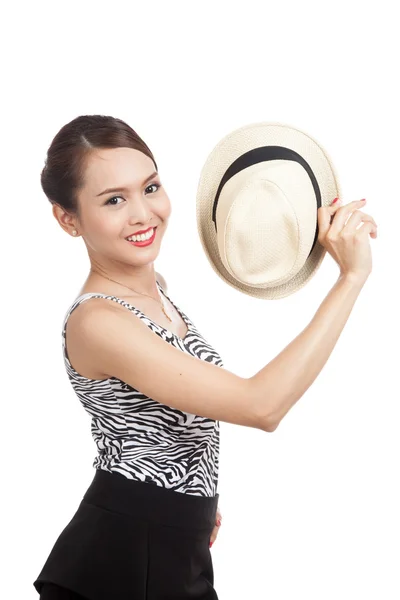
143, 439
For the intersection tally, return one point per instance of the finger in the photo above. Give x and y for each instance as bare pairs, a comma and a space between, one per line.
213, 535
355, 219
342, 214
367, 228
324, 217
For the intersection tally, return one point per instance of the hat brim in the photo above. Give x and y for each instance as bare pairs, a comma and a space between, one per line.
222, 156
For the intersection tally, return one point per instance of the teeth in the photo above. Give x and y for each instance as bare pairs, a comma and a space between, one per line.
142, 237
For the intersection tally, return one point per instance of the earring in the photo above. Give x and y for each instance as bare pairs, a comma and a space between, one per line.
74, 232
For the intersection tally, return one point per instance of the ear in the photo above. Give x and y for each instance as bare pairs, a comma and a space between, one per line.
161, 281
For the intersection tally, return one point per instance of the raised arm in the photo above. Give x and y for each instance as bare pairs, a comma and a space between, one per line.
122, 346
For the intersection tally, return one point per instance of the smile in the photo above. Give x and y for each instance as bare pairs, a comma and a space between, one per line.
145, 239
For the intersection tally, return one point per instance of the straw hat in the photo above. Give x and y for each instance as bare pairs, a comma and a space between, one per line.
256, 208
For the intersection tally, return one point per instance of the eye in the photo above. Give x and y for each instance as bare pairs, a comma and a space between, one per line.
113, 198
156, 185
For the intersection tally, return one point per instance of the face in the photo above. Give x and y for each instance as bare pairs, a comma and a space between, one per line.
135, 201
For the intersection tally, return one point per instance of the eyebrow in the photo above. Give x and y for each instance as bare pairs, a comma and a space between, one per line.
124, 189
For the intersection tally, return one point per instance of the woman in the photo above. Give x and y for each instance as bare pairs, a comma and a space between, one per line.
155, 408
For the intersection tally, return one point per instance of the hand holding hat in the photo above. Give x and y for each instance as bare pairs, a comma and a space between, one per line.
348, 244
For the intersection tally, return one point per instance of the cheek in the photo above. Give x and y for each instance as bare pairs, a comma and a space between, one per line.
105, 228
109, 220
165, 209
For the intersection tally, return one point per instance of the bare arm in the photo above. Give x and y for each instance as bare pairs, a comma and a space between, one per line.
284, 380
119, 345
344, 231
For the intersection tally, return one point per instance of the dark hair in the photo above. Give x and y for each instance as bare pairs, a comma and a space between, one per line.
62, 175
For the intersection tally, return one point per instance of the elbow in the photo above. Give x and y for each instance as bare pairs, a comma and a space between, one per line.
264, 417
267, 422
269, 425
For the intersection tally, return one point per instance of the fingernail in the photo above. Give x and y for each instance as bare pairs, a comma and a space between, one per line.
211, 543
363, 200
335, 200
219, 522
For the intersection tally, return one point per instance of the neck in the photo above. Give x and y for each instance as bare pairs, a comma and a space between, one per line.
145, 283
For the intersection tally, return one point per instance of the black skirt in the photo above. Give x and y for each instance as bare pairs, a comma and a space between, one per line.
130, 540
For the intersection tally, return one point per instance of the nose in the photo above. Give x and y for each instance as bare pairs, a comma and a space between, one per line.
140, 211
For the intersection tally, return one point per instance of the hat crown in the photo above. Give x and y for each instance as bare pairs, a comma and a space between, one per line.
266, 217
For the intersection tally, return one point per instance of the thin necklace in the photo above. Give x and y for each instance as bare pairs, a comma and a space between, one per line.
136, 292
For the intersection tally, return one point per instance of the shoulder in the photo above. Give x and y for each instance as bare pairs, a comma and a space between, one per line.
90, 313
86, 315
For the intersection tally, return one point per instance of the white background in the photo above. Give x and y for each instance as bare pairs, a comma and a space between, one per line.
311, 510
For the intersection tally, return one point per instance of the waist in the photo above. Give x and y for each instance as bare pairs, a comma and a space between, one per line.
161, 505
